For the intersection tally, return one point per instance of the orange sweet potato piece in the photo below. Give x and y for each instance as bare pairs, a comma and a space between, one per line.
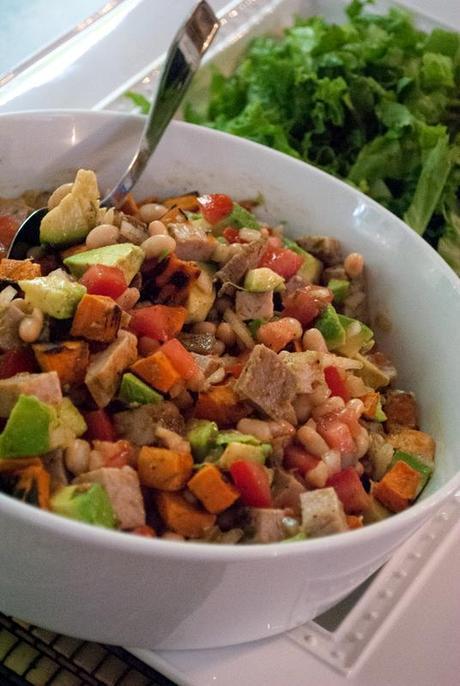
370, 402
18, 464
129, 205
173, 280
15, 270
174, 215
33, 485
398, 487
187, 203
354, 521
211, 489
167, 470
181, 517
220, 404
69, 359
157, 371
97, 318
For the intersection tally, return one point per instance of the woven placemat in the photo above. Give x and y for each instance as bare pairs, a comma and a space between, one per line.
30, 655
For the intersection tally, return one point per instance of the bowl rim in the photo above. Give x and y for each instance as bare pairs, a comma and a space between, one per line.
110, 539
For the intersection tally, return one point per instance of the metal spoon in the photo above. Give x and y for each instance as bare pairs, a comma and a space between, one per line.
182, 61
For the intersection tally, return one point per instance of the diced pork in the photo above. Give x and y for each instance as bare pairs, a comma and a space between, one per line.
10, 318
268, 383
254, 305
208, 364
336, 272
355, 304
415, 442
192, 243
105, 369
45, 387
286, 491
322, 513
124, 491
234, 270
267, 524
401, 410
140, 424
326, 249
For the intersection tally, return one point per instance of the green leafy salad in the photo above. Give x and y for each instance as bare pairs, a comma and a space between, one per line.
374, 101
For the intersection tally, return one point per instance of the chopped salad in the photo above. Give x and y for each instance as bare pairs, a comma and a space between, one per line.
181, 369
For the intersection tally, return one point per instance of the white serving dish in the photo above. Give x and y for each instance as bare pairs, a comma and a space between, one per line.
115, 588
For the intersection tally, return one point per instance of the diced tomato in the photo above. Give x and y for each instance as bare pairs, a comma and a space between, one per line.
301, 305
144, 530
129, 206
336, 434
8, 227
15, 361
297, 458
283, 261
102, 280
251, 480
115, 454
236, 369
100, 427
350, 490
349, 418
215, 207
180, 358
336, 383
232, 235
158, 321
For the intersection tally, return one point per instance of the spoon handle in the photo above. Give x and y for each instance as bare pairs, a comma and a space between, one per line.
182, 61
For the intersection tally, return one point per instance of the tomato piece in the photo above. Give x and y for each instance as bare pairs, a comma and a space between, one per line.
144, 530
251, 480
9, 224
100, 427
336, 383
336, 434
102, 280
297, 458
350, 490
283, 261
232, 235
115, 454
348, 417
301, 305
158, 321
15, 361
180, 358
215, 206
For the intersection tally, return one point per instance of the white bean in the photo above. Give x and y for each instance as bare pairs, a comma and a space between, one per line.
102, 235
281, 428
313, 339
249, 234
204, 327
155, 246
312, 441
255, 427
96, 460
362, 443
320, 393
225, 333
129, 298
329, 406
60, 193
354, 264
331, 459
76, 456
157, 228
172, 536
30, 327
302, 406
151, 211
317, 476
218, 348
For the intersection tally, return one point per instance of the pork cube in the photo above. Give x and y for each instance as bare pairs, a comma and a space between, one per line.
106, 368
401, 410
322, 513
267, 524
192, 243
45, 387
286, 491
254, 305
414, 442
140, 424
326, 249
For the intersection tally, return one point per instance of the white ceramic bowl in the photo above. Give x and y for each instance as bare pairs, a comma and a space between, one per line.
112, 587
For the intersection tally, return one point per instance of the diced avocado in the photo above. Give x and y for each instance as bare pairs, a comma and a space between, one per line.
67, 424
126, 256
85, 502
133, 390
380, 415
54, 294
372, 375
202, 294
375, 512
301, 536
331, 328
416, 462
357, 335
226, 437
243, 451
339, 288
202, 436
263, 279
75, 216
311, 269
27, 431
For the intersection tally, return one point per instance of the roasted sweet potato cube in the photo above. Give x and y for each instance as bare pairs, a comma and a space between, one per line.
354, 521
220, 404
211, 489
401, 411
157, 370
167, 470
97, 319
173, 280
187, 203
181, 517
69, 359
15, 270
398, 487
414, 442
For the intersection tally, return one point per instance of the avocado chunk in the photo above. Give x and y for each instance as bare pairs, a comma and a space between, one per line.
243, 451
66, 425
126, 256
74, 217
85, 502
375, 512
372, 375
54, 294
339, 288
202, 436
331, 328
201, 295
133, 390
416, 462
263, 279
357, 335
27, 431
226, 437
311, 269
